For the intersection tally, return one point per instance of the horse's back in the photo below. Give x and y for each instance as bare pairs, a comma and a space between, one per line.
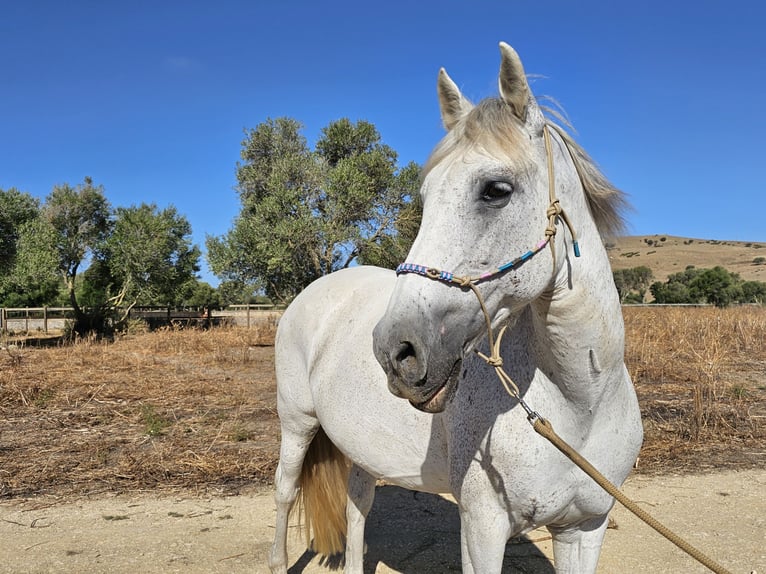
348, 299
326, 369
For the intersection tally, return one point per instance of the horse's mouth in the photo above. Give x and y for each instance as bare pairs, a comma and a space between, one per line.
441, 396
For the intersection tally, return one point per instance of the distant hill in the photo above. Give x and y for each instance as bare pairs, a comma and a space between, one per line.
667, 254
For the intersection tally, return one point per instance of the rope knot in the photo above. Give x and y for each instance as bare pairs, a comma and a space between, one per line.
494, 361
554, 209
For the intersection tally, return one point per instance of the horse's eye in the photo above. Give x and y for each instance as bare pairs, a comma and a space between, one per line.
497, 193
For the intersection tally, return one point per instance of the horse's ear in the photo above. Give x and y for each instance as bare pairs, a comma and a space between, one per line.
451, 102
514, 89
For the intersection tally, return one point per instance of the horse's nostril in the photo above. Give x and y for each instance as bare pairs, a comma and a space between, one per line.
407, 364
405, 352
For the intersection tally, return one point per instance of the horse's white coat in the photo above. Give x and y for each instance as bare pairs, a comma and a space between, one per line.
564, 350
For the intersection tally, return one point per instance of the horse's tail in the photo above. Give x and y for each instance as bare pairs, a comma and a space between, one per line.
324, 488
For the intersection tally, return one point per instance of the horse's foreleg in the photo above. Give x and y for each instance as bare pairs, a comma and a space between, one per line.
361, 493
576, 550
287, 483
483, 534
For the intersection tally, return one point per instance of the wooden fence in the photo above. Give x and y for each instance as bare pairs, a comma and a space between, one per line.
33, 318
44, 319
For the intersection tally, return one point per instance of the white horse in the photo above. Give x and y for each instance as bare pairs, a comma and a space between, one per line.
489, 191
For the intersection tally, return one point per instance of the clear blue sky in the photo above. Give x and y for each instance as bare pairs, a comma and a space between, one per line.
150, 98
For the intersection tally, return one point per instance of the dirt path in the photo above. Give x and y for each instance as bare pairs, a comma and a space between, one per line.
724, 514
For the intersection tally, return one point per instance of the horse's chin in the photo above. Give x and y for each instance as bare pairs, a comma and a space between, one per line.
439, 400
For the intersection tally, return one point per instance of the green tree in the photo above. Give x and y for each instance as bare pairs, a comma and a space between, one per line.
78, 221
150, 256
16, 209
200, 294
717, 286
308, 213
676, 289
235, 292
632, 283
32, 280
753, 292
671, 292
26, 272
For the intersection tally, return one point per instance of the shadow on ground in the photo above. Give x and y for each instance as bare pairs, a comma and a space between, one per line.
415, 533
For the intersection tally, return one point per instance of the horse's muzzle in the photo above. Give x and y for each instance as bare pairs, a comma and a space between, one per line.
427, 379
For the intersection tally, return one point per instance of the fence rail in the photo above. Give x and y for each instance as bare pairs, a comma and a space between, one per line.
44, 319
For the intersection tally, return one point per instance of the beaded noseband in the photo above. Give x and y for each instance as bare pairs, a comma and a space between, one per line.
554, 212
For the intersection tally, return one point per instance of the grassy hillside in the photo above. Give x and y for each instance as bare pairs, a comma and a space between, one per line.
667, 254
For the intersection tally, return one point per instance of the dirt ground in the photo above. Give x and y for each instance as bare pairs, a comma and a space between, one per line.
723, 514
155, 454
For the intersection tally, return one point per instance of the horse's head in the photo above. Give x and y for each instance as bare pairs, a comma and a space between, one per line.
486, 200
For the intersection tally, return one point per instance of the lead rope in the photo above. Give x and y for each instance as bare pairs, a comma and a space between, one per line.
542, 426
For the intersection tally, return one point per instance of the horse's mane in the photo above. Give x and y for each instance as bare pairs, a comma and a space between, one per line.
492, 125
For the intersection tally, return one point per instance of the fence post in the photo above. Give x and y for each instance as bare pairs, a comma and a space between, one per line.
26, 320
3, 320
248, 315
45, 320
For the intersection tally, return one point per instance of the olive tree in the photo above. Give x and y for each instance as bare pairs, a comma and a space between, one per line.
306, 213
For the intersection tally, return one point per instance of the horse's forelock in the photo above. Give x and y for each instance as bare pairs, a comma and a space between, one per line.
490, 126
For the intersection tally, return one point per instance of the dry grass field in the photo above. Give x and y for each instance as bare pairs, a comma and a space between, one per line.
667, 254
195, 410
700, 375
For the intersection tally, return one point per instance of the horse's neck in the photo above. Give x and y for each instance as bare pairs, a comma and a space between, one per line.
578, 327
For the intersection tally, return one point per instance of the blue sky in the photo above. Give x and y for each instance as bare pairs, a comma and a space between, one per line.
150, 98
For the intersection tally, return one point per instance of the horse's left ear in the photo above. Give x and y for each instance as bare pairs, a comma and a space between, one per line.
514, 89
452, 103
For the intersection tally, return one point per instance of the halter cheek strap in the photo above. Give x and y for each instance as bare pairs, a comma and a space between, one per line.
554, 208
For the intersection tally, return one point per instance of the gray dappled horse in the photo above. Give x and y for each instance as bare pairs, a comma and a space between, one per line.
493, 189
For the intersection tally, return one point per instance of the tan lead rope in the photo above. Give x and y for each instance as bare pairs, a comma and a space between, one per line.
544, 428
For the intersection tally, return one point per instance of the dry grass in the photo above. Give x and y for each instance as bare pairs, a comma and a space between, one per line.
195, 410
162, 410
701, 378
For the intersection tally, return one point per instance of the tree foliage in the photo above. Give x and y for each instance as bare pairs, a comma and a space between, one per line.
306, 213
26, 273
150, 254
632, 283
715, 286
78, 221
139, 254
33, 279
16, 209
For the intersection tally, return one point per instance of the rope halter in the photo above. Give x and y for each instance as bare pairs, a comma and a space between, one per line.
553, 213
